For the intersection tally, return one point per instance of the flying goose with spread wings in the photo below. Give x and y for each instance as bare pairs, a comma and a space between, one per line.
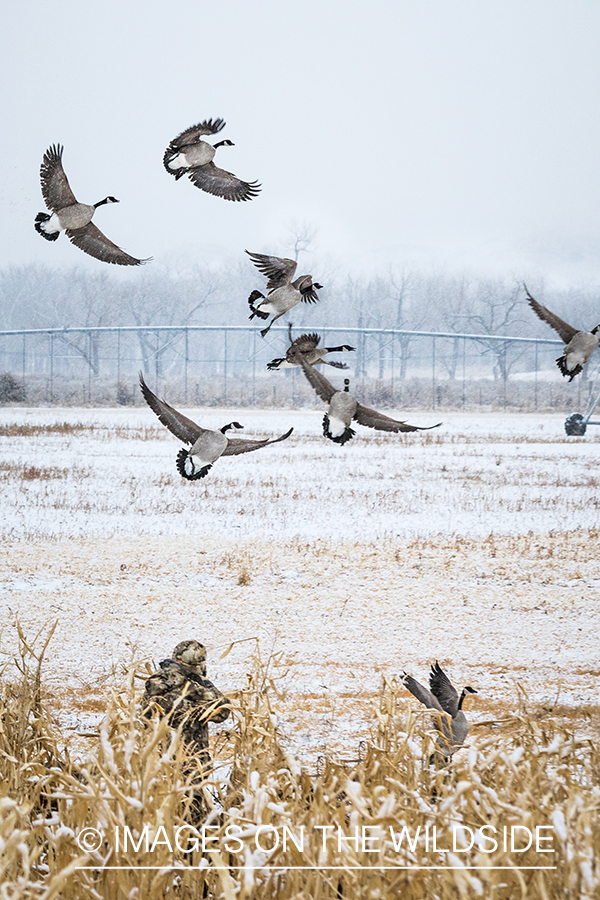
580, 344
188, 154
282, 293
308, 346
72, 217
442, 697
207, 446
343, 408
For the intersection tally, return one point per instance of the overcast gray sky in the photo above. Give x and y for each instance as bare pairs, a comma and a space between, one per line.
456, 132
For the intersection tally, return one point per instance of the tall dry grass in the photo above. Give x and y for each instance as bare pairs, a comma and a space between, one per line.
515, 771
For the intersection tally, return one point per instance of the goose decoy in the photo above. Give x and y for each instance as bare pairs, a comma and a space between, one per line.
443, 698
579, 344
73, 217
283, 293
308, 346
343, 408
206, 445
188, 154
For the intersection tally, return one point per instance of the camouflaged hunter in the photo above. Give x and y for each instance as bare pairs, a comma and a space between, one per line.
182, 692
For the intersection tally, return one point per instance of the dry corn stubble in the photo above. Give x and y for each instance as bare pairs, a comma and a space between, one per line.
516, 771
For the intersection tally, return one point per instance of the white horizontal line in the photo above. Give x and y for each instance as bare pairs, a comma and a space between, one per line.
184, 867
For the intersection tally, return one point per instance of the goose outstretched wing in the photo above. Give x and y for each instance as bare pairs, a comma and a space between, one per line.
178, 424
443, 690
93, 242
322, 387
566, 331
305, 343
243, 445
213, 180
278, 270
373, 419
195, 133
55, 184
421, 693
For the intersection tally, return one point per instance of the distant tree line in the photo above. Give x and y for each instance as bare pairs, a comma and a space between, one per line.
34, 296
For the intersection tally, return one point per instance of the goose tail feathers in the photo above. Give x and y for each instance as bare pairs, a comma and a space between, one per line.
187, 469
254, 296
40, 219
561, 362
342, 438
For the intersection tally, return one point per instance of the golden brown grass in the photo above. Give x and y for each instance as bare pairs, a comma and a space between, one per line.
32, 473
18, 429
520, 770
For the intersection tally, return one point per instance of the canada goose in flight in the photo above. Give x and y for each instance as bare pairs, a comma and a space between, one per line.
283, 293
443, 698
188, 154
579, 344
308, 346
206, 445
343, 408
73, 217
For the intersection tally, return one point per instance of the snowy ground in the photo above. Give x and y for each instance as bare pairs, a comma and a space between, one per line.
475, 544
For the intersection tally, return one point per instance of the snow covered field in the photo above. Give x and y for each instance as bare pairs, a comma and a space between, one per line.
475, 544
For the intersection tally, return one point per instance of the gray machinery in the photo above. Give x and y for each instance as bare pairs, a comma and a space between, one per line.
576, 424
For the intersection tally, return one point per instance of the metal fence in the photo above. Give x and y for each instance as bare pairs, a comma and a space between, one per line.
227, 365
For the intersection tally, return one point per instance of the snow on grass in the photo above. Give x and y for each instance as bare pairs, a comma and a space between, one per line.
474, 544
474, 475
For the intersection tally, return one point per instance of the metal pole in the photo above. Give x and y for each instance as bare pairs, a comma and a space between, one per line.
224, 366
156, 362
52, 367
433, 373
464, 373
253, 367
90, 368
393, 345
504, 371
118, 357
536, 377
187, 353
364, 359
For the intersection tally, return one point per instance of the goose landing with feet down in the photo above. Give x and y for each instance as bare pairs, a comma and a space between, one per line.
343, 408
282, 293
308, 346
442, 697
207, 446
72, 217
580, 344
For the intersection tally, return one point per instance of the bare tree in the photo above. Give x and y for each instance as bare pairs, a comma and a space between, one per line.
454, 308
494, 309
303, 235
163, 300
